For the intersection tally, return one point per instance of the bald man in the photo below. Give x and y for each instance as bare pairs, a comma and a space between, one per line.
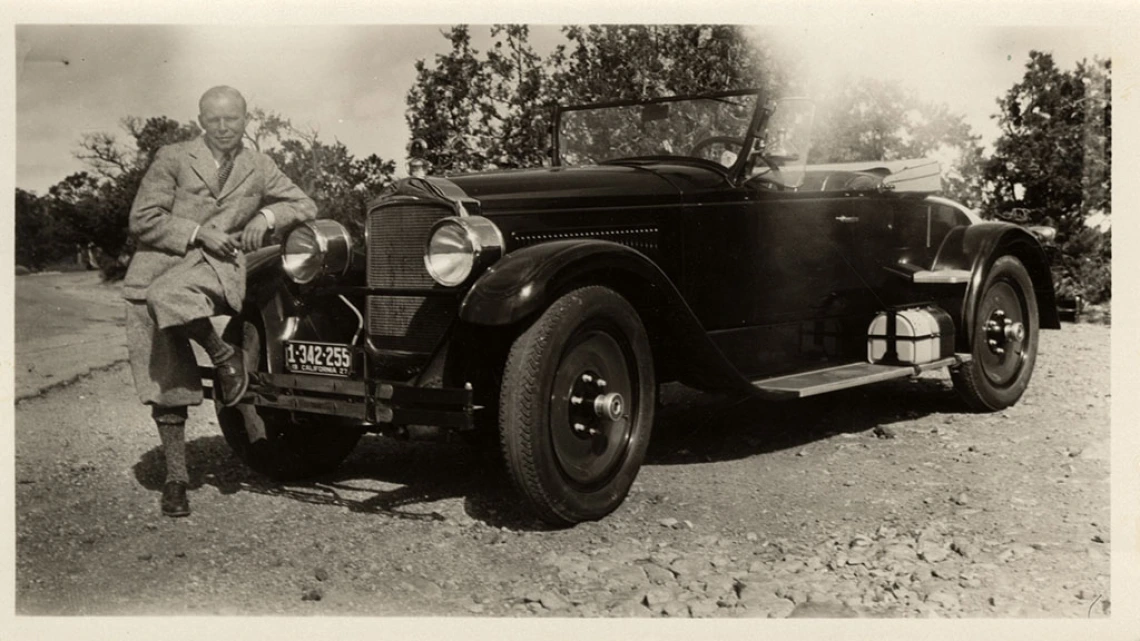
201, 205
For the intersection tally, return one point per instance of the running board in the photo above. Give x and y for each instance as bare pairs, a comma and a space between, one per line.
831, 379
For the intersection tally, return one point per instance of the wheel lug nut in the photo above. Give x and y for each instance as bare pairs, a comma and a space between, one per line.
601, 382
586, 378
593, 431
576, 400
578, 427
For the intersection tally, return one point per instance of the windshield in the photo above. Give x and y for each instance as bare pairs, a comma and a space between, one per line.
711, 129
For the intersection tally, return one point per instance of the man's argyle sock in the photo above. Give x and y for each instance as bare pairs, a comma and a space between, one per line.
171, 422
202, 332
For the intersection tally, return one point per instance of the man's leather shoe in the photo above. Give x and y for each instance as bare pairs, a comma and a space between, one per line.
174, 501
231, 380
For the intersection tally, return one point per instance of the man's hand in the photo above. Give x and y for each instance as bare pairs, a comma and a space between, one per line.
217, 243
254, 233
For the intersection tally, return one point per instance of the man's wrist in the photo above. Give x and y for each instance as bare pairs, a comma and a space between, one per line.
269, 218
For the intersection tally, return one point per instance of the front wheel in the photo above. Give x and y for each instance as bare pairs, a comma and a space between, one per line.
1004, 345
576, 406
268, 440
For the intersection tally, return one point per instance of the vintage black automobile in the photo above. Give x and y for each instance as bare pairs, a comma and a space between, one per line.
682, 239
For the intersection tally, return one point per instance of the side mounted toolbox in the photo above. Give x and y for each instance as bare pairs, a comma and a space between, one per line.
910, 336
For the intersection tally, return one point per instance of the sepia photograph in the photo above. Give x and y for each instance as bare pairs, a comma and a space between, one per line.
591, 321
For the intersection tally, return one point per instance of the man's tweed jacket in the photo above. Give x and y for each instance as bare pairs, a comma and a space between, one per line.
180, 192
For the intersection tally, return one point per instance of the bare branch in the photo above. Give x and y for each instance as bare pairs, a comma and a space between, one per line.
102, 152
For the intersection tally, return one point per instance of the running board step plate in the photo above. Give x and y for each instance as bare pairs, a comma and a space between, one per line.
832, 379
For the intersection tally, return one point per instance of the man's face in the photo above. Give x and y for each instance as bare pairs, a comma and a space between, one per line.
223, 120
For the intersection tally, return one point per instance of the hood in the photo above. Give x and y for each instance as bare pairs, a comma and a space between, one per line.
586, 187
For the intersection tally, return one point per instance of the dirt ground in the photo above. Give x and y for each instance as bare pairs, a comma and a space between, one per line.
887, 502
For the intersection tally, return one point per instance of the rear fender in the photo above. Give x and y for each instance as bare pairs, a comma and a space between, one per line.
976, 247
528, 280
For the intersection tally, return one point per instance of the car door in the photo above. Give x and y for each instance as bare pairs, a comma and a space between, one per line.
765, 274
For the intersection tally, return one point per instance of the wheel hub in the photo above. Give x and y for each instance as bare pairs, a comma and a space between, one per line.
1002, 332
592, 408
610, 406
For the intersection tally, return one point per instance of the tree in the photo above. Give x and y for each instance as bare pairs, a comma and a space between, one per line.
448, 106
1053, 159
40, 237
1052, 164
95, 206
632, 62
479, 111
869, 119
339, 183
521, 109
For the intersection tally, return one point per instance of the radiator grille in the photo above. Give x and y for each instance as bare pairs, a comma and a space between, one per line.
410, 323
396, 237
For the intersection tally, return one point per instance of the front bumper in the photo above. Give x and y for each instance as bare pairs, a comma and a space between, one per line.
370, 402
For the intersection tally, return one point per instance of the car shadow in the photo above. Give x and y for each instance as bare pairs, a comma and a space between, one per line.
400, 479
694, 427
386, 477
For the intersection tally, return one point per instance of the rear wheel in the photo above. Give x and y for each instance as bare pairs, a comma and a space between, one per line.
268, 440
1004, 346
576, 407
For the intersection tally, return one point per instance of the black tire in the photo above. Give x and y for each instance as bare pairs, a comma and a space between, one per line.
290, 450
1002, 363
587, 341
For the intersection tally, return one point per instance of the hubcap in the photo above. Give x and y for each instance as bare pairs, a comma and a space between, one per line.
589, 412
1004, 332
609, 406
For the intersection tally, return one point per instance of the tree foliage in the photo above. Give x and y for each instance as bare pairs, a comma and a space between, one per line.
338, 182
1052, 165
479, 111
1053, 159
632, 62
870, 119
93, 207
493, 110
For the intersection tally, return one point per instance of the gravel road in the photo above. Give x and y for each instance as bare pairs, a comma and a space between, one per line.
889, 501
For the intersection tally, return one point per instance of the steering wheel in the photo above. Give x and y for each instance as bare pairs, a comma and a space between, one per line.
714, 140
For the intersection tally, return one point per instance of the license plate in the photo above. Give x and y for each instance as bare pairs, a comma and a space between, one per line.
328, 359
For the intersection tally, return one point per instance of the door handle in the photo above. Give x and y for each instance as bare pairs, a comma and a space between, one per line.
847, 219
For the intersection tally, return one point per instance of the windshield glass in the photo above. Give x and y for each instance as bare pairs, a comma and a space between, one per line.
707, 128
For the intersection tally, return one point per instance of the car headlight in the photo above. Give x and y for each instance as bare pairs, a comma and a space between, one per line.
460, 246
316, 248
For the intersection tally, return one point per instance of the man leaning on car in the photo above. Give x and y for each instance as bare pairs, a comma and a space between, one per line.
201, 204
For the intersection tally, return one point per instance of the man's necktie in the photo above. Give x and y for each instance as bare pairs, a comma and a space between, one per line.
224, 170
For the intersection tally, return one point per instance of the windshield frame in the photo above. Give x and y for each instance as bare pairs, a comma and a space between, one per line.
756, 123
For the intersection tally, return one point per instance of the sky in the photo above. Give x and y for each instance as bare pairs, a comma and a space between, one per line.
349, 82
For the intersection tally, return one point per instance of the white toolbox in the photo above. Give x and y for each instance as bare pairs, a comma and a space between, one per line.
920, 335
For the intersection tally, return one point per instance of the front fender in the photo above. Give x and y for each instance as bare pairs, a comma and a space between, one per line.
267, 291
527, 280
976, 247
260, 263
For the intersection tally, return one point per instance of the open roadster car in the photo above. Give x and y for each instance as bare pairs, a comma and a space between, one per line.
683, 239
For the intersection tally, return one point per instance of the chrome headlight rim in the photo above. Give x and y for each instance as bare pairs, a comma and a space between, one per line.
484, 245
331, 255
